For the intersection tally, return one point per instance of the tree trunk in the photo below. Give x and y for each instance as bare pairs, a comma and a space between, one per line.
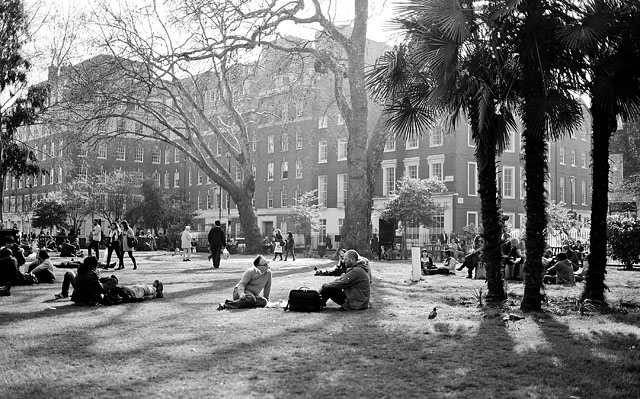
356, 229
491, 224
535, 149
242, 196
603, 127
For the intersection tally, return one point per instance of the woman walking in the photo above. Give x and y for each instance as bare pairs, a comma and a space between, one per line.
114, 244
128, 243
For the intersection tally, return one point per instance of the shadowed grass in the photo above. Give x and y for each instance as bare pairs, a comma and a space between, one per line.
180, 346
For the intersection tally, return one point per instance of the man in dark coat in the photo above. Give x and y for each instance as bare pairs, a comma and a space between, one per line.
217, 241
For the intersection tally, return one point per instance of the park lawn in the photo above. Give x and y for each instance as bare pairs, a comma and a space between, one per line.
181, 347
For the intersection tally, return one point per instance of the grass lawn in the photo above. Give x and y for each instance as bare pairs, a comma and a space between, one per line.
181, 347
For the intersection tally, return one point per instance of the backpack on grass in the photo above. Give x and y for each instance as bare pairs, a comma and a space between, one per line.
304, 300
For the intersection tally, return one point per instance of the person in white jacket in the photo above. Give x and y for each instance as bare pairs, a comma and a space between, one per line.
186, 239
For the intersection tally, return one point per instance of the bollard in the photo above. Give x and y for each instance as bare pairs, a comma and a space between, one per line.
416, 270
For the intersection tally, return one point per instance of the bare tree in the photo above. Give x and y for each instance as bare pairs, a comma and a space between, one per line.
336, 49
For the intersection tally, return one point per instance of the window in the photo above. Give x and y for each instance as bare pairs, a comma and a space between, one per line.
583, 160
52, 176
583, 134
166, 179
190, 177
122, 126
436, 166
285, 142
511, 146
470, 141
270, 171
84, 172
390, 144
561, 190
208, 179
523, 189
218, 149
412, 143
269, 199
342, 189
436, 136
44, 152
508, 182
199, 201
199, 177
155, 156
323, 121
342, 149
138, 154
583, 192
297, 195
166, 156
561, 155
176, 155
322, 151
209, 200
120, 152
412, 171
43, 179
156, 178
254, 143
322, 229
388, 179
59, 176
102, 151
573, 157
270, 144
284, 170
572, 181
472, 179
238, 173
284, 200
102, 127
284, 112
299, 108
298, 169
102, 176
322, 190
298, 140
472, 218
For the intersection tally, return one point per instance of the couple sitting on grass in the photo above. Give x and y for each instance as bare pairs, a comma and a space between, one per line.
351, 291
91, 289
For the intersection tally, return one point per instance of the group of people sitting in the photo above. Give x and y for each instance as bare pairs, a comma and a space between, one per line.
91, 289
38, 271
351, 290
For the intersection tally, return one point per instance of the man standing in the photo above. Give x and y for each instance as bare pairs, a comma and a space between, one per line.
96, 236
217, 241
185, 241
352, 290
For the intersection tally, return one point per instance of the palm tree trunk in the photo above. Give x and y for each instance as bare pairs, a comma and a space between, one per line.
603, 127
535, 149
486, 153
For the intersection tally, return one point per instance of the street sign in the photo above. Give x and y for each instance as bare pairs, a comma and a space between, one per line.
572, 214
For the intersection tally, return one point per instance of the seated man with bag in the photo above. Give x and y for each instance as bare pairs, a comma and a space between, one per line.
246, 294
353, 289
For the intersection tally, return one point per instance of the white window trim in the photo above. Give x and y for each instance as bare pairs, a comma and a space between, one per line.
474, 194
513, 182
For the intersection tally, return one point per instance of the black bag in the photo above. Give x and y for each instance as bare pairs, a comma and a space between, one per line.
132, 242
304, 300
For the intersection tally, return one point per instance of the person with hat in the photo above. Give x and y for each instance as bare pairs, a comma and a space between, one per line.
255, 280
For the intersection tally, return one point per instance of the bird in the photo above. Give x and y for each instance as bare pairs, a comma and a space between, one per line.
433, 314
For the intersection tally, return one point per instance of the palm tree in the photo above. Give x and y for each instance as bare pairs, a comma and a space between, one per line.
608, 32
453, 63
548, 110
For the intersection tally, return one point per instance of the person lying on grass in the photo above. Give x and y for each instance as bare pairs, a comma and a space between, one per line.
337, 270
246, 294
352, 290
90, 289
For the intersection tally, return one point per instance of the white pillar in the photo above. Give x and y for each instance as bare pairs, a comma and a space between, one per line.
416, 270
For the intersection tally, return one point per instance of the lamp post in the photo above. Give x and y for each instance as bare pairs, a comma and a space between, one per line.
572, 179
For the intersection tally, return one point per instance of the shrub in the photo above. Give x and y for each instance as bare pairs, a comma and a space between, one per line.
623, 240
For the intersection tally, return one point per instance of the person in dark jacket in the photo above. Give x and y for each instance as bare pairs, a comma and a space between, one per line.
290, 246
87, 287
217, 241
9, 272
352, 290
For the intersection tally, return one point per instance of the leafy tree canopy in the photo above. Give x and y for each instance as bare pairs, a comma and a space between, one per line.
413, 204
50, 212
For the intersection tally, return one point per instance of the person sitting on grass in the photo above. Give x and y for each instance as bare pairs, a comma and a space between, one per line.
353, 290
255, 280
563, 271
426, 262
338, 270
9, 272
448, 266
42, 268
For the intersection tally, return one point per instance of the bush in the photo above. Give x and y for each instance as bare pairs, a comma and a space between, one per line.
623, 240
